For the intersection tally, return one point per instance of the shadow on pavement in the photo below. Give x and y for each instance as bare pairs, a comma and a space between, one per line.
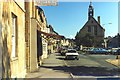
61, 58
93, 71
59, 68
86, 71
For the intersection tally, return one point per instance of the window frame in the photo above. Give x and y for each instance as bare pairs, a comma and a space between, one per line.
14, 35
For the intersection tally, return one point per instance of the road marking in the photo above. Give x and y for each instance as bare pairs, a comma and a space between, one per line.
95, 77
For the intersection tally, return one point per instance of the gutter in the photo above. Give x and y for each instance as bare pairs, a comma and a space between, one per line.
71, 75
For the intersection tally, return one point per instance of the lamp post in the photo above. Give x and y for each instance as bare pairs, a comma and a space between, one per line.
105, 40
106, 24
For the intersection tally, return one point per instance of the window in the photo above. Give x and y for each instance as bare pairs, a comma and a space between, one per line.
95, 30
44, 47
89, 28
91, 21
92, 29
41, 18
14, 36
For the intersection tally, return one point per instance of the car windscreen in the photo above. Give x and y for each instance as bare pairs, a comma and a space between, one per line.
71, 51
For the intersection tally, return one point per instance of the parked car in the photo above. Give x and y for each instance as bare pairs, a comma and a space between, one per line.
63, 51
89, 50
72, 54
109, 51
98, 51
116, 52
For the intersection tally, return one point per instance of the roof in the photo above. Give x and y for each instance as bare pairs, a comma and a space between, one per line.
38, 7
74, 54
95, 21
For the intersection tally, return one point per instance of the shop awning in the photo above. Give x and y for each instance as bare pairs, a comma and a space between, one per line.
52, 35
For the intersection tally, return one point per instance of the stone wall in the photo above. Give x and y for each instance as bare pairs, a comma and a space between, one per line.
13, 67
0, 40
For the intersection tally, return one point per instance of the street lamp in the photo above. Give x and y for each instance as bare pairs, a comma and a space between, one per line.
106, 24
105, 40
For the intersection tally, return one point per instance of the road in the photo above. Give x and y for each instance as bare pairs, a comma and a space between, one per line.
88, 66
92, 66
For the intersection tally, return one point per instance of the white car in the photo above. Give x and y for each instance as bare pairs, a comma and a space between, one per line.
72, 54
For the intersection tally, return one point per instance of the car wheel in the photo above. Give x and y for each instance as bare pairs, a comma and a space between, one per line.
77, 58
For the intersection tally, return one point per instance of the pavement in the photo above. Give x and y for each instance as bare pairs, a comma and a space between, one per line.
52, 67
115, 62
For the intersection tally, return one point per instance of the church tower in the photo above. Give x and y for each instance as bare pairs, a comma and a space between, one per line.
90, 11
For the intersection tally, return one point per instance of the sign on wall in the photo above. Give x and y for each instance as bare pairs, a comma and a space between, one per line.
46, 2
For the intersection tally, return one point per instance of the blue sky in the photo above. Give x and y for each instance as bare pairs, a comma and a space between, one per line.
69, 17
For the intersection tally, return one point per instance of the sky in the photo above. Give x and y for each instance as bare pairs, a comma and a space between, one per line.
119, 17
67, 18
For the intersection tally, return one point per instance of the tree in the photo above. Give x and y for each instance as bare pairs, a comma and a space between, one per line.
88, 40
77, 39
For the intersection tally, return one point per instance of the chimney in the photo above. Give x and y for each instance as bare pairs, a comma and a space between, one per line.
99, 19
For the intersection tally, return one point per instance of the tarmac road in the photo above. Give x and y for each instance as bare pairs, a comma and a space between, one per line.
93, 66
88, 67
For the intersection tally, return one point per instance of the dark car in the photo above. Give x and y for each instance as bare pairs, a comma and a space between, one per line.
117, 52
63, 51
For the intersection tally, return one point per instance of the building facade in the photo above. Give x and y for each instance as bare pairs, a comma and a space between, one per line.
25, 35
36, 44
43, 43
93, 28
13, 39
30, 32
0, 40
113, 42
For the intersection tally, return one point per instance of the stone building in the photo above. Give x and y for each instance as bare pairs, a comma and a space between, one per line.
20, 22
42, 42
24, 32
113, 42
65, 42
36, 43
32, 25
12, 19
1, 39
93, 27
53, 40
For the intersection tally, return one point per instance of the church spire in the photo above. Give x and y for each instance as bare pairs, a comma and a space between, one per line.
90, 10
